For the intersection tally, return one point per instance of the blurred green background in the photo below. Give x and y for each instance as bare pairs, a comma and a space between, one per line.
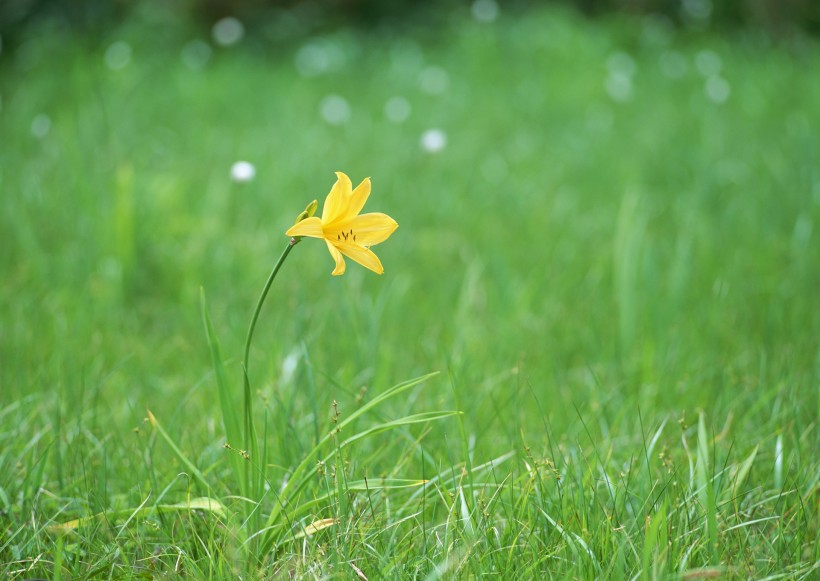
620, 194
605, 223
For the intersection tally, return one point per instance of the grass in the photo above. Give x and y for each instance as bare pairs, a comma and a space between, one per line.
613, 265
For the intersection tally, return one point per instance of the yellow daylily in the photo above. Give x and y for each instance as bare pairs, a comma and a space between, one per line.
344, 230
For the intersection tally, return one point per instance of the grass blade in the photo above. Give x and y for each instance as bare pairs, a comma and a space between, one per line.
706, 490
230, 418
302, 473
193, 470
202, 503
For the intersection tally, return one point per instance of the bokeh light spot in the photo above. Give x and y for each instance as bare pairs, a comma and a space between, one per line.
118, 55
697, 9
434, 80
242, 171
433, 140
196, 54
708, 63
621, 63
673, 64
619, 87
227, 31
335, 109
621, 68
311, 60
397, 109
40, 125
484, 10
657, 31
718, 89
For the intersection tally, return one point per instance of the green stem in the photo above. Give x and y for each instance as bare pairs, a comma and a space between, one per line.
249, 439
291, 244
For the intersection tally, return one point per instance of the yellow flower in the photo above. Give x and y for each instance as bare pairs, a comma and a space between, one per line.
344, 230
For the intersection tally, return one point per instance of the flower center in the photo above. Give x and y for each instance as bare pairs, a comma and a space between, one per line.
346, 236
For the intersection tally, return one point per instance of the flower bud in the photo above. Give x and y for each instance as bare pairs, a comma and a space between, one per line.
309, 210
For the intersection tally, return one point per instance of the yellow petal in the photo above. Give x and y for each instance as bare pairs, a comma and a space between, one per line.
308, 227
337, 200
337, 256
358, 197
372, 228
360, 254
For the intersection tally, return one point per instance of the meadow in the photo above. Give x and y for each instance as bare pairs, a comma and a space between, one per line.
593, 353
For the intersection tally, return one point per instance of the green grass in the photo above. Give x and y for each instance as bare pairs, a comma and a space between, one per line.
620, 297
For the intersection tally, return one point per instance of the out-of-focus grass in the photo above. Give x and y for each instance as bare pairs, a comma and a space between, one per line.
620, 234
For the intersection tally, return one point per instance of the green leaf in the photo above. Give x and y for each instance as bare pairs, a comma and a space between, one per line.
230, 417
706, 490
193, 470
657, 525
307, 468
203, 503
743, 469
384, 483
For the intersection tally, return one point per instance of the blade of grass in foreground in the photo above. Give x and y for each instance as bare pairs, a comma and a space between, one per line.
230, 419
357, 485
299, 477
656, 537
706, 488
194, 471
201, 503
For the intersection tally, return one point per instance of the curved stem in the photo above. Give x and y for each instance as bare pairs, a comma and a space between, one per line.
291, 244
256, 458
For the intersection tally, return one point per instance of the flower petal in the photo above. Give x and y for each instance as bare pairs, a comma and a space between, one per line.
372, 228
360, 254
358, 197
338, 199
337, 256
308, 227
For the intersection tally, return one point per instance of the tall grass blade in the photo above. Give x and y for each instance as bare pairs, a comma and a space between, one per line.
573, 541
202, 503
227, 404
778, 462
743, 470
307, 467
706, 490
192, 470
655, 538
